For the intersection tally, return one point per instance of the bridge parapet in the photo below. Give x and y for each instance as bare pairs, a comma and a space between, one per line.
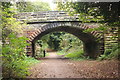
45, 16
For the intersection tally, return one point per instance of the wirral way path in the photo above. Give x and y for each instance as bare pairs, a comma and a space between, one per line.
55, 66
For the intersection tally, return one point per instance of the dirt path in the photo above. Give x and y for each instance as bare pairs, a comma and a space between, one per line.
55, 66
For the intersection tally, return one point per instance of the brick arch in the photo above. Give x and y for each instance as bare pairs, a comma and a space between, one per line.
92, 47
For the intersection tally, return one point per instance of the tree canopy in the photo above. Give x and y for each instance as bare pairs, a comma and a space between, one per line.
32, 6
92, 11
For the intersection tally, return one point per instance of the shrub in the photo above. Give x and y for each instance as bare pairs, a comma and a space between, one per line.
15, 62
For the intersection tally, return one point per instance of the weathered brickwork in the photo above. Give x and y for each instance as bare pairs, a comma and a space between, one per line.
94, 42
111, 37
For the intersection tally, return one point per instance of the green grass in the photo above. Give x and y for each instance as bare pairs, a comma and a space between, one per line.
41, 55
78, 59
47, 54
26, 63
60, 53
81, 58
76, 54
30, 61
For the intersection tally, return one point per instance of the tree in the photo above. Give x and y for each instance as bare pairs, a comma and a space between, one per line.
13, 46
92, 11
9, 24
59, 41
32, 6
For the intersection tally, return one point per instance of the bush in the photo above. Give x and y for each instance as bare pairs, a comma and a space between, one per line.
15, 62
18, 68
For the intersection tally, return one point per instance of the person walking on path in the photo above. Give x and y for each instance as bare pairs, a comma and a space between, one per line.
44, 53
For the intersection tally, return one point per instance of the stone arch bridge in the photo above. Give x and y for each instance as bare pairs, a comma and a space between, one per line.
42, 23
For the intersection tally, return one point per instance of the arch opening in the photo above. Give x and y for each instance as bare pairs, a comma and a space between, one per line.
91, 46
60, 42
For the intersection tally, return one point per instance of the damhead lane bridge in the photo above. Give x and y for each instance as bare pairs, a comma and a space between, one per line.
45, 22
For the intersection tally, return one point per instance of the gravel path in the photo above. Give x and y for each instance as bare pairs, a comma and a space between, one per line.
55, 66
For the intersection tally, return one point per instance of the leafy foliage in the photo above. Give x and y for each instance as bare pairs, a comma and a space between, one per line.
62, 42
106, 14
92, 11
15, 62
14, 58
59, 41
9, 24
32, 6
113, 53
51, 41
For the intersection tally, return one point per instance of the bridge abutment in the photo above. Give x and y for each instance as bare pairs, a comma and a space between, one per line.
91, 50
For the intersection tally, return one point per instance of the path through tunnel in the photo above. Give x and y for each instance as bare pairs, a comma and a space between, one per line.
91, 46
59, 42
